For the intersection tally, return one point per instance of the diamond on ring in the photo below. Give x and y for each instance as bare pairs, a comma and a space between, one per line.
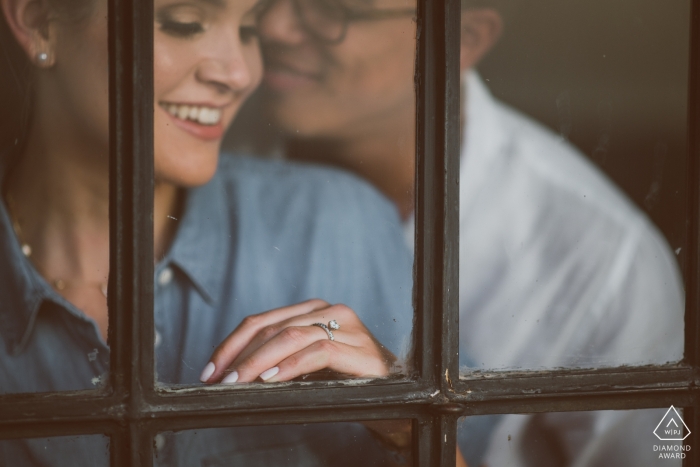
333, 324
325, 328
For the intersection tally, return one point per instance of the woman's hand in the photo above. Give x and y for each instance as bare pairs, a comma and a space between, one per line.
282, 344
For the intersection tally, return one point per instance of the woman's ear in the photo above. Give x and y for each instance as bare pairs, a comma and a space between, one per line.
29, 22
481, 29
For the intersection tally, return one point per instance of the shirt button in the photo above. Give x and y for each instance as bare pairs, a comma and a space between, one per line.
160, 442
165, 276
157, 340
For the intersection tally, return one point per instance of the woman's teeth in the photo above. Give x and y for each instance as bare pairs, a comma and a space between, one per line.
199, 114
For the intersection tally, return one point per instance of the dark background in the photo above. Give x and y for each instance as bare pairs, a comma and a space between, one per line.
608, 75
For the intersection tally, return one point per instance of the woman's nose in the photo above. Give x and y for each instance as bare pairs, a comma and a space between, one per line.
228, 68
280, 23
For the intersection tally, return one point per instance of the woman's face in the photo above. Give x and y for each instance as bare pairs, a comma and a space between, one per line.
206, 63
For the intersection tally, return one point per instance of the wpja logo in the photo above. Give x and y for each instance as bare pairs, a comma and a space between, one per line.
672, 428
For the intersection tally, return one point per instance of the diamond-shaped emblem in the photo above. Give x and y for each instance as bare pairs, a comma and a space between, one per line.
672, 427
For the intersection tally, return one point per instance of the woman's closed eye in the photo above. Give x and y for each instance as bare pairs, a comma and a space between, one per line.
182, 20
179, 29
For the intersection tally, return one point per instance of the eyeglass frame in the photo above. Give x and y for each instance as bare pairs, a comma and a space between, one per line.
349, 16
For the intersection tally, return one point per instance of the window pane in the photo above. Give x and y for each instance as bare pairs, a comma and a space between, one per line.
239, 235
602, 438
573, 194
54, 209
377, 443
68, 451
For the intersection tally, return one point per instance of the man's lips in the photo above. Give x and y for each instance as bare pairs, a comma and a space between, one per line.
281, 77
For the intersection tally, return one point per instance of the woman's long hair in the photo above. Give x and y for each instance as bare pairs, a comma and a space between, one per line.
15, 93
17, 77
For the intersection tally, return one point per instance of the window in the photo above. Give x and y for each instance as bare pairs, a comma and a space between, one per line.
133, 411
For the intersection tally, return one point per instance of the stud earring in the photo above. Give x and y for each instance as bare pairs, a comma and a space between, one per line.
42, 58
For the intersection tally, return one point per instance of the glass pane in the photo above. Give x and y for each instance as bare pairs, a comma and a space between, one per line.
377, 443
54, 204
648, 437
573, 194
286, 242
88, 450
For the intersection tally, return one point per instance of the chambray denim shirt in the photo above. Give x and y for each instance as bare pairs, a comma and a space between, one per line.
259, 235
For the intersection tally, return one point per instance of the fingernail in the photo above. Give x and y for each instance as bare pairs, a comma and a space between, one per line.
207, 372
231, 378
267, 374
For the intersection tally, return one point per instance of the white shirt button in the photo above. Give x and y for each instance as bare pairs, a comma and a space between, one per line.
157, 340
159, 441
165, 276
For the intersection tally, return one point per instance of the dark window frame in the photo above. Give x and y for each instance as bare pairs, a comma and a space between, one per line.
131, 409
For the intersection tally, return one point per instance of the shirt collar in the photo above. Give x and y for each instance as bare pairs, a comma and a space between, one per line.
200, 246
486, 139
203, 239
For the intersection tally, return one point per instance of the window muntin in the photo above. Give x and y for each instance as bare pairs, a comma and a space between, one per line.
436, 422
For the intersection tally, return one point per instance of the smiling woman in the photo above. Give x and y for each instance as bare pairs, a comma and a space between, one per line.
234, 237
207, 63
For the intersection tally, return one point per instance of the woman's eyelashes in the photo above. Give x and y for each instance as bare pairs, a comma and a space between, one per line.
180, 29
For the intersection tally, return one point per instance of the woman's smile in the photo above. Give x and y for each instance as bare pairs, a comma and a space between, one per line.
202, 121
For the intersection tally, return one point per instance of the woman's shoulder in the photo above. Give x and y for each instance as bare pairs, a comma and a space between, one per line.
293, 186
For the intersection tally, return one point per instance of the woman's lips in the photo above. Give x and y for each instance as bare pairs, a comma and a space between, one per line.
204, 122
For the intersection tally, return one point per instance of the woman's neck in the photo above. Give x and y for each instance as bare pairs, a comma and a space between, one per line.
60, 200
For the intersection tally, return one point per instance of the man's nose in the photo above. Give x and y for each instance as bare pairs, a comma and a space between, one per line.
280, 23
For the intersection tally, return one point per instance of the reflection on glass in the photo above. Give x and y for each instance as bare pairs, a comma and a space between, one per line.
317, 256
377, 443
559, 267
92, 450
648, 437
54, 223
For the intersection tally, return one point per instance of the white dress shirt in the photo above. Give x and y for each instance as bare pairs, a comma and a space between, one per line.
557, 269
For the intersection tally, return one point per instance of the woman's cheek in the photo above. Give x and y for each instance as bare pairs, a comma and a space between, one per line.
165, 60
253, 58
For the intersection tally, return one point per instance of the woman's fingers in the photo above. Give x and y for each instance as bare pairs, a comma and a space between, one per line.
249, 328
326, 354
353, 331
288, 342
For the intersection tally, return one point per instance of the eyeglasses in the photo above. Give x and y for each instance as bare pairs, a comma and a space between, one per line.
327, 20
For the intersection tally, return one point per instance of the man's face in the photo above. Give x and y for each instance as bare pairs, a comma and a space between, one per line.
344, 90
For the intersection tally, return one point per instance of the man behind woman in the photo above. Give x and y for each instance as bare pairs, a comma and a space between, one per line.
557, 267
